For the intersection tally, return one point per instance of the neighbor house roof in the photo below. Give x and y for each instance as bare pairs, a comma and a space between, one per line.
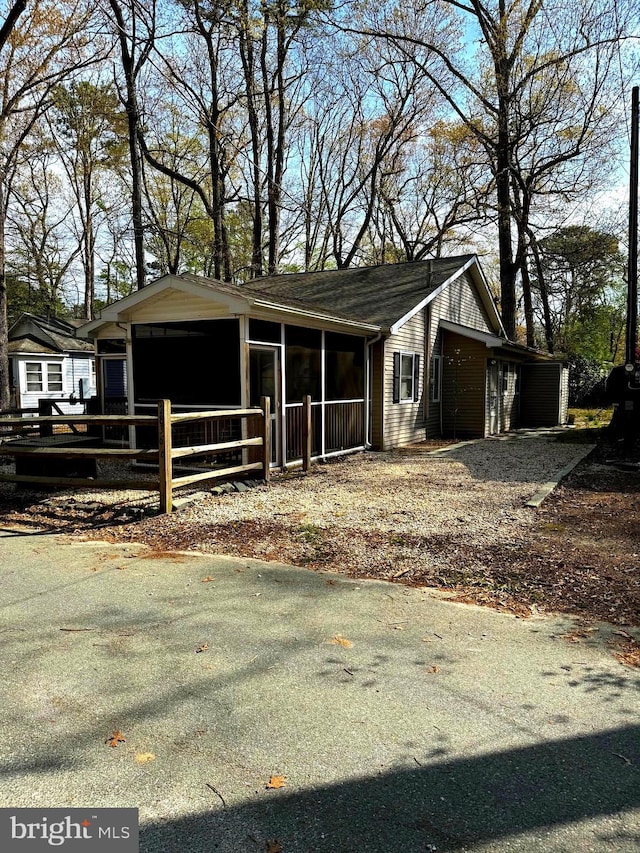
32, 333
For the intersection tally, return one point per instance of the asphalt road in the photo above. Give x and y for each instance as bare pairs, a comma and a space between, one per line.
399, 722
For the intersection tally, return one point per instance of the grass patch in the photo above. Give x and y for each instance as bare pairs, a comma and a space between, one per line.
590, 418
588, 425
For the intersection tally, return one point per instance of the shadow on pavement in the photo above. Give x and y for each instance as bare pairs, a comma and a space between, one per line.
444, 807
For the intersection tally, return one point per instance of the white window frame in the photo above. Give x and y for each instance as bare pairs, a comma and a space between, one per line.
58, 367
411, 357
29, 370
41, 370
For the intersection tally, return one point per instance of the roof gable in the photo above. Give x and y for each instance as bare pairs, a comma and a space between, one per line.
51, 334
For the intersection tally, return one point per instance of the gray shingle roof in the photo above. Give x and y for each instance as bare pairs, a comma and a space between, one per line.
379, 295
52, 333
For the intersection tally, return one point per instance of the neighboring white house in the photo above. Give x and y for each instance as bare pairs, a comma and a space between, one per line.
48, 362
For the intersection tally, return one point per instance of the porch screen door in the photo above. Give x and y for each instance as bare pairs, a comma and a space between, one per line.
263, 382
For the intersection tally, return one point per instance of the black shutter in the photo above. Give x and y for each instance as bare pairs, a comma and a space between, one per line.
396, 377
416, 377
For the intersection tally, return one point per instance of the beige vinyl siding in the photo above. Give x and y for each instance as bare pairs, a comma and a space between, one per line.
543, 396
459, 303
177, 305
463, 387
405, 422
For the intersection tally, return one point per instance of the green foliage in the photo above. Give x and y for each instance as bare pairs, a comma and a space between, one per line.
92, 120
587, 379
21, 297
583, 271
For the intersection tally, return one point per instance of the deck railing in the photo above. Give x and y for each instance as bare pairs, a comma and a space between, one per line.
256, 449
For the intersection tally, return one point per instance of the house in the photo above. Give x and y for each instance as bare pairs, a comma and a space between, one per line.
48, 362
390, 355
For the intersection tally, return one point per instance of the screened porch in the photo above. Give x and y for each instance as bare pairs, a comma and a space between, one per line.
233, 362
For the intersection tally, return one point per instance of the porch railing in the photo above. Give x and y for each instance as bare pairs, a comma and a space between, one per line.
334, 426
256, 449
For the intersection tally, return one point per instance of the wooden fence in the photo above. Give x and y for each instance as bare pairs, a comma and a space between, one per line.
49, 447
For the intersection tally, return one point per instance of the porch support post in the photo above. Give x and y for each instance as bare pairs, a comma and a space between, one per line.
131, 391
164, 456
243, 330
306, 432
265, 403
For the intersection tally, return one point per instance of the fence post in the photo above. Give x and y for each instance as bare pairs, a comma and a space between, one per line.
164, 456
306, 432
45, 410
265, 404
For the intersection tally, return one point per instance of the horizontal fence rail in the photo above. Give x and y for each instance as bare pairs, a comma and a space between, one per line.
32, 452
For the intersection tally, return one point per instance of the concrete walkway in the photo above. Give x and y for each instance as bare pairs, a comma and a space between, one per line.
401, 723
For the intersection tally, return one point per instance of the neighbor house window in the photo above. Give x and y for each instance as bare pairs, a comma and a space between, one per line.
34, 376
435, 379
406, 371
54, 376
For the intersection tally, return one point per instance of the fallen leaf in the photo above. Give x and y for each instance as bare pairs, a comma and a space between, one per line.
274, 847
145, 757
433, 668
208, 579
629, 654
202, 648
116, 738
339, 640
275, 782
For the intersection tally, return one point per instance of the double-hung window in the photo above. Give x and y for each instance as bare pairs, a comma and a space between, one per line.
34, 376
54, 376
406, 373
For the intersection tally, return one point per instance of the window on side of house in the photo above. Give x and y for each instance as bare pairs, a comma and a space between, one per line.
435, 378
406, 372
34, 376
54, 376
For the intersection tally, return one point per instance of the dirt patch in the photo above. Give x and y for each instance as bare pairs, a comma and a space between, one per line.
453, 521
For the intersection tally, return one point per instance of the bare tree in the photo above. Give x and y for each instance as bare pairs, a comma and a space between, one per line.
41, 249
499, 81
134, 22
39, 51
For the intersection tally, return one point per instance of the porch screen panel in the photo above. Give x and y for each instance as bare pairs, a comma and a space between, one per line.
344, 425
344, 367
192, 364
303, 350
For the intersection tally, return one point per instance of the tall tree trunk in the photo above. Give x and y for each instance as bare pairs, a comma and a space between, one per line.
248, 67
130, 70
544, 293
5, 398
503, 193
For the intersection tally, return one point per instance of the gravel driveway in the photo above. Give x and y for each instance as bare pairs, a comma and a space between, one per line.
456, 520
